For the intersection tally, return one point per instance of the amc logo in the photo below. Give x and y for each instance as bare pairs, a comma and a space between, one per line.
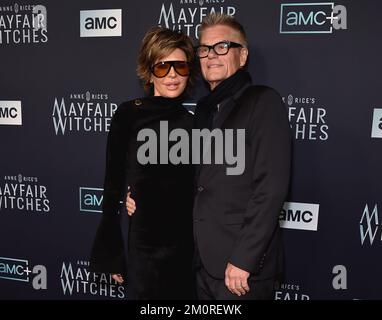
10, 113
91, 199
376, 131
301, 216
18, 270
320, 17
101, 23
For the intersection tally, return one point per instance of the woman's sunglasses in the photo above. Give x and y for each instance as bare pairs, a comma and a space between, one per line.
161, 69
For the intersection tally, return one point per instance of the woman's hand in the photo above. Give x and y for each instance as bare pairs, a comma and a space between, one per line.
130, 204
118, 278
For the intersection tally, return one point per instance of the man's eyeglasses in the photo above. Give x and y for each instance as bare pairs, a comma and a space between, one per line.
161, 69
220, 48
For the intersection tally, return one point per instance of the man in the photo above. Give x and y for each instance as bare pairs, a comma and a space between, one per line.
238, 242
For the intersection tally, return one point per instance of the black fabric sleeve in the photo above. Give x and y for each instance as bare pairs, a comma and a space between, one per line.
108, 249
270, 151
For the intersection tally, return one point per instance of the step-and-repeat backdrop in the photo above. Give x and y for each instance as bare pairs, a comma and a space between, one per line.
66, 66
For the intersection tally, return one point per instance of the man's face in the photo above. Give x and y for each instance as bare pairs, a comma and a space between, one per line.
216, 68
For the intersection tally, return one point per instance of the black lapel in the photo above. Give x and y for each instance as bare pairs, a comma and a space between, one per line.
227, 107
222, 114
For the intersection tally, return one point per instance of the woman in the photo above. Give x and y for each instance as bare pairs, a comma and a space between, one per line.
159, 263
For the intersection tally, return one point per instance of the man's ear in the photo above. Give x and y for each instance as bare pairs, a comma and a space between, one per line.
243, 56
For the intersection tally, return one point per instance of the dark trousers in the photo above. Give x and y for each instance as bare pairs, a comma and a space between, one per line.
210, 288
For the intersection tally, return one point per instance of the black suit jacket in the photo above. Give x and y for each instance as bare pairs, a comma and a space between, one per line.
236, 217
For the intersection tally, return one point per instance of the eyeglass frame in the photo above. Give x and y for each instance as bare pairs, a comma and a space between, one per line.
230, 44
172, 65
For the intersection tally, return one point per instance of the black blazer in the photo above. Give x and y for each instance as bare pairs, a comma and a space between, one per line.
236, 217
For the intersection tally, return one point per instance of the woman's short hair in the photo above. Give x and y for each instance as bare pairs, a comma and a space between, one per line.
157, 43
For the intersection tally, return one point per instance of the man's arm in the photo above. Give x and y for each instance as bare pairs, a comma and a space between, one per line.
270, 141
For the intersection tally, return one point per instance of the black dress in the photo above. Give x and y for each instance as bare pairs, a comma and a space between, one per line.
160, 240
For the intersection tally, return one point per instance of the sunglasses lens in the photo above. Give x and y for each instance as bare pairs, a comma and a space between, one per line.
161, 69
182, 68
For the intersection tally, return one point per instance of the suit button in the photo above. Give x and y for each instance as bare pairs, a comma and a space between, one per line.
200, 188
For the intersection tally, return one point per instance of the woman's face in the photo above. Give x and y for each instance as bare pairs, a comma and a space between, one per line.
173, 84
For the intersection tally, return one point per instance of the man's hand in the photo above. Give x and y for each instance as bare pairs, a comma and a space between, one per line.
118, 278
130, 204
236, 280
